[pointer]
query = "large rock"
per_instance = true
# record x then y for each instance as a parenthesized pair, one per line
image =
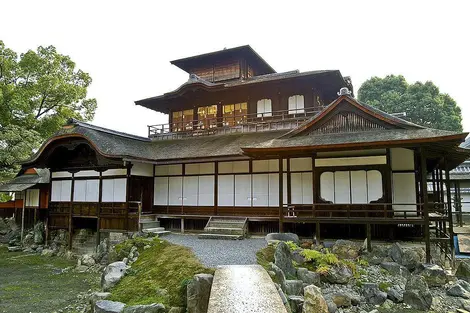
(417, 293)
(338, 274)
(86, 260)
(297, 257)
(294, 287)
(106, 306)
(341, 300)
(395, 269)
(48, 252)
(112, 274)
(346, 249)
(4, 228)
(282, 237)
(314, 301)
(38, 233)
(412, 258)
(459, 289)
(149, 308)
(396, 253)
(395, 293)
(283, 259)
(198, 293)
(14, 249)
(373, 294)
(284, 299)
(97, 296)
(296, 303)
(279, 276)
(434, 275)
(308, 277)
(463, 271)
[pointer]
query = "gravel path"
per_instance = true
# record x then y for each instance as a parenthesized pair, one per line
(214, 252)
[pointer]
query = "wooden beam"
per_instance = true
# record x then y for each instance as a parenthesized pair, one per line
(369, 238)
(98, 213)
(71, 211)
(449, 213)
(424, 195)
(281, 195)
(216, 187)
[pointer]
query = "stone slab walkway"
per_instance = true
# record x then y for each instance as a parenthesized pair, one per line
(244, 288)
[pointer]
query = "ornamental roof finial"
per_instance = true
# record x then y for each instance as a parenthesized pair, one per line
(344, 92)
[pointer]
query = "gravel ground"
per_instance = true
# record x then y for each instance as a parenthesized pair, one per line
(214, 252)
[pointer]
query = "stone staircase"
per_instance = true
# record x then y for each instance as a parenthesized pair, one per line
(150, 224)
(223, 227)
(84, 241)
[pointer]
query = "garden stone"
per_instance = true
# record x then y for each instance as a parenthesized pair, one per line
(48, 252)
(284, 298)
(459, 289)
(395, 293)
(149, 308)
(463, 271)
(346, 249)
(112, 274)
(373, 294)
(395, 269)
(465, 304)
(279, 276)
(283, 259)
(338, 274)
(296, 303)
(38, 233)
(314, 301)
(86, 260)
(342, 300)
(4, 228)
(434, 275)
(96, 296)
(417, 293)
(308, 277)
(387, 305)
(106, 306)
(283, 237)
(332, 308)
(412, 258)
(198, 292)
(14, 249)
(298, 257)
(294, 287)
(177, 309)
(28, 239)
(396, 253)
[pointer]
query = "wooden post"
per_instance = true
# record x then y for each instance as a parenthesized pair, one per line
(281, 195)
(98, 213)
(22, 215)
(369, 238)
(182, 225)
(317, 233)
(71, 211)
(424, 195)
(216, 187)
(128, 183)
(449, 214)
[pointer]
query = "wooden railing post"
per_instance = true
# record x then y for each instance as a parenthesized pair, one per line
(281, 195)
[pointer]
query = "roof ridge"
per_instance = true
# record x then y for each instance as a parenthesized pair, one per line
(73, 121)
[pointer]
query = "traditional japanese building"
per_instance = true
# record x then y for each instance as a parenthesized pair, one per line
(292, 151)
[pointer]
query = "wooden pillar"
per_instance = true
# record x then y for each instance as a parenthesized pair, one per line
(128, 188)
(449, 214)
(22, 215)
(182, 225)
(98, 210)
(71, 211)
(281, 195)
(369, 238)
(216, 187)
(424, 195)
(317, 233)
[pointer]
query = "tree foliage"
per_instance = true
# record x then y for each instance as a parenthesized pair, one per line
(422, 102)
(39, 91)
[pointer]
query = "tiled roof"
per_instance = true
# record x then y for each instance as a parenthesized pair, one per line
(25, 181)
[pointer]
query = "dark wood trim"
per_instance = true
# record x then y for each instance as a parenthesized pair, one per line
(216, 187)
(449, 213)
(100, 199)
(281, 195)
(128, 182)
(424, 194)
(288, 181)
(71, 211)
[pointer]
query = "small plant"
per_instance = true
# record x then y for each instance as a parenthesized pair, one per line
(359, 283)
(292, 246)
(320, 258)
(383, 271)
(323, 270)
(362, 262)
(384, 286)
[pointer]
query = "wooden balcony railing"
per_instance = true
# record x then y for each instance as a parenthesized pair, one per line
(255, 122)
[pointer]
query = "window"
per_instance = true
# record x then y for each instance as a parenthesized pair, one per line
(114, 190)
(187, 190)
(234, 114)
(296, 104)
(61, 190)
(182, 120)
(345, 187)
(32, 198)
(264, 108)
(207, 117)
(86, 190)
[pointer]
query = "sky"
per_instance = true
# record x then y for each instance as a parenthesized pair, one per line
(126, 46)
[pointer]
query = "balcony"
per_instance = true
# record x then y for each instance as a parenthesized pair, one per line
(256, 122)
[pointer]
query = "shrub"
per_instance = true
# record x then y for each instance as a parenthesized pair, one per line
(292, 246)
(362, 262)
(384, 286)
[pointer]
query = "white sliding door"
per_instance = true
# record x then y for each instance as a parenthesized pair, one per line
(327, 186)
(342, 187)
(274, 190)
(359, 187)
(261, 190)
(374, 185)
(206, 191)
(301, 188)
(190, 190)
(226, 190)
(160, 191)
(242, 190)
(175, 191)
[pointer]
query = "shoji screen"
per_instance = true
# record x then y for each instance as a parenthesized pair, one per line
(226, 188)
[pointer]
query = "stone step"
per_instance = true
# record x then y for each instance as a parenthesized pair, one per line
(157, 231)
(225, 225)
(151, 217)
(228, 219)
(149, 224)
(153, 229)
(226, 231)
(220, 236)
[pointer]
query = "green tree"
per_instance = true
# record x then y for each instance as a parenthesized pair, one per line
(39, 91)
(422, 102)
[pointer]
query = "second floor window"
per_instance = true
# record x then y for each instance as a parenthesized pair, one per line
(296, 104)
(182, 120)
(207, 117)
(264, 108)
(234, 114)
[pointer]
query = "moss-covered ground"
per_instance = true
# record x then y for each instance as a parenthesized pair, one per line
(33, 283)
(161, 265)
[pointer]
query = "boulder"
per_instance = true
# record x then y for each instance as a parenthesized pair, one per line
(283, 259)
(48, 252)
(396, 253)
(28, 239)
(417, 293)
(332, 308)
(338, 274)
(296, 303)
(346, 249)
(342, 300)
(434, 275)
(463, 271)
(4, 228)
(373, 294)
(297, 257)
(86, 260)
(395, 269)
(112, 274)
(96, 296)
(283, 237)
(177, 309)
(279, 276)
(314, 301)
(14, 249)
(294, 287)
(459, 289)
(308, 277)
(412, 258)
(38, 233)
(102, 251)
(148, 308)
(198, 292)
(106, 306)
(283, 296)
(395, 293)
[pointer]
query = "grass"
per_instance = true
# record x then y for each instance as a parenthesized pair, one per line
(33, 283)
(265, 255)
(161, 266)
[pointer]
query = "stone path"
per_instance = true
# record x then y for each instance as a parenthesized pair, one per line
(244, 288)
